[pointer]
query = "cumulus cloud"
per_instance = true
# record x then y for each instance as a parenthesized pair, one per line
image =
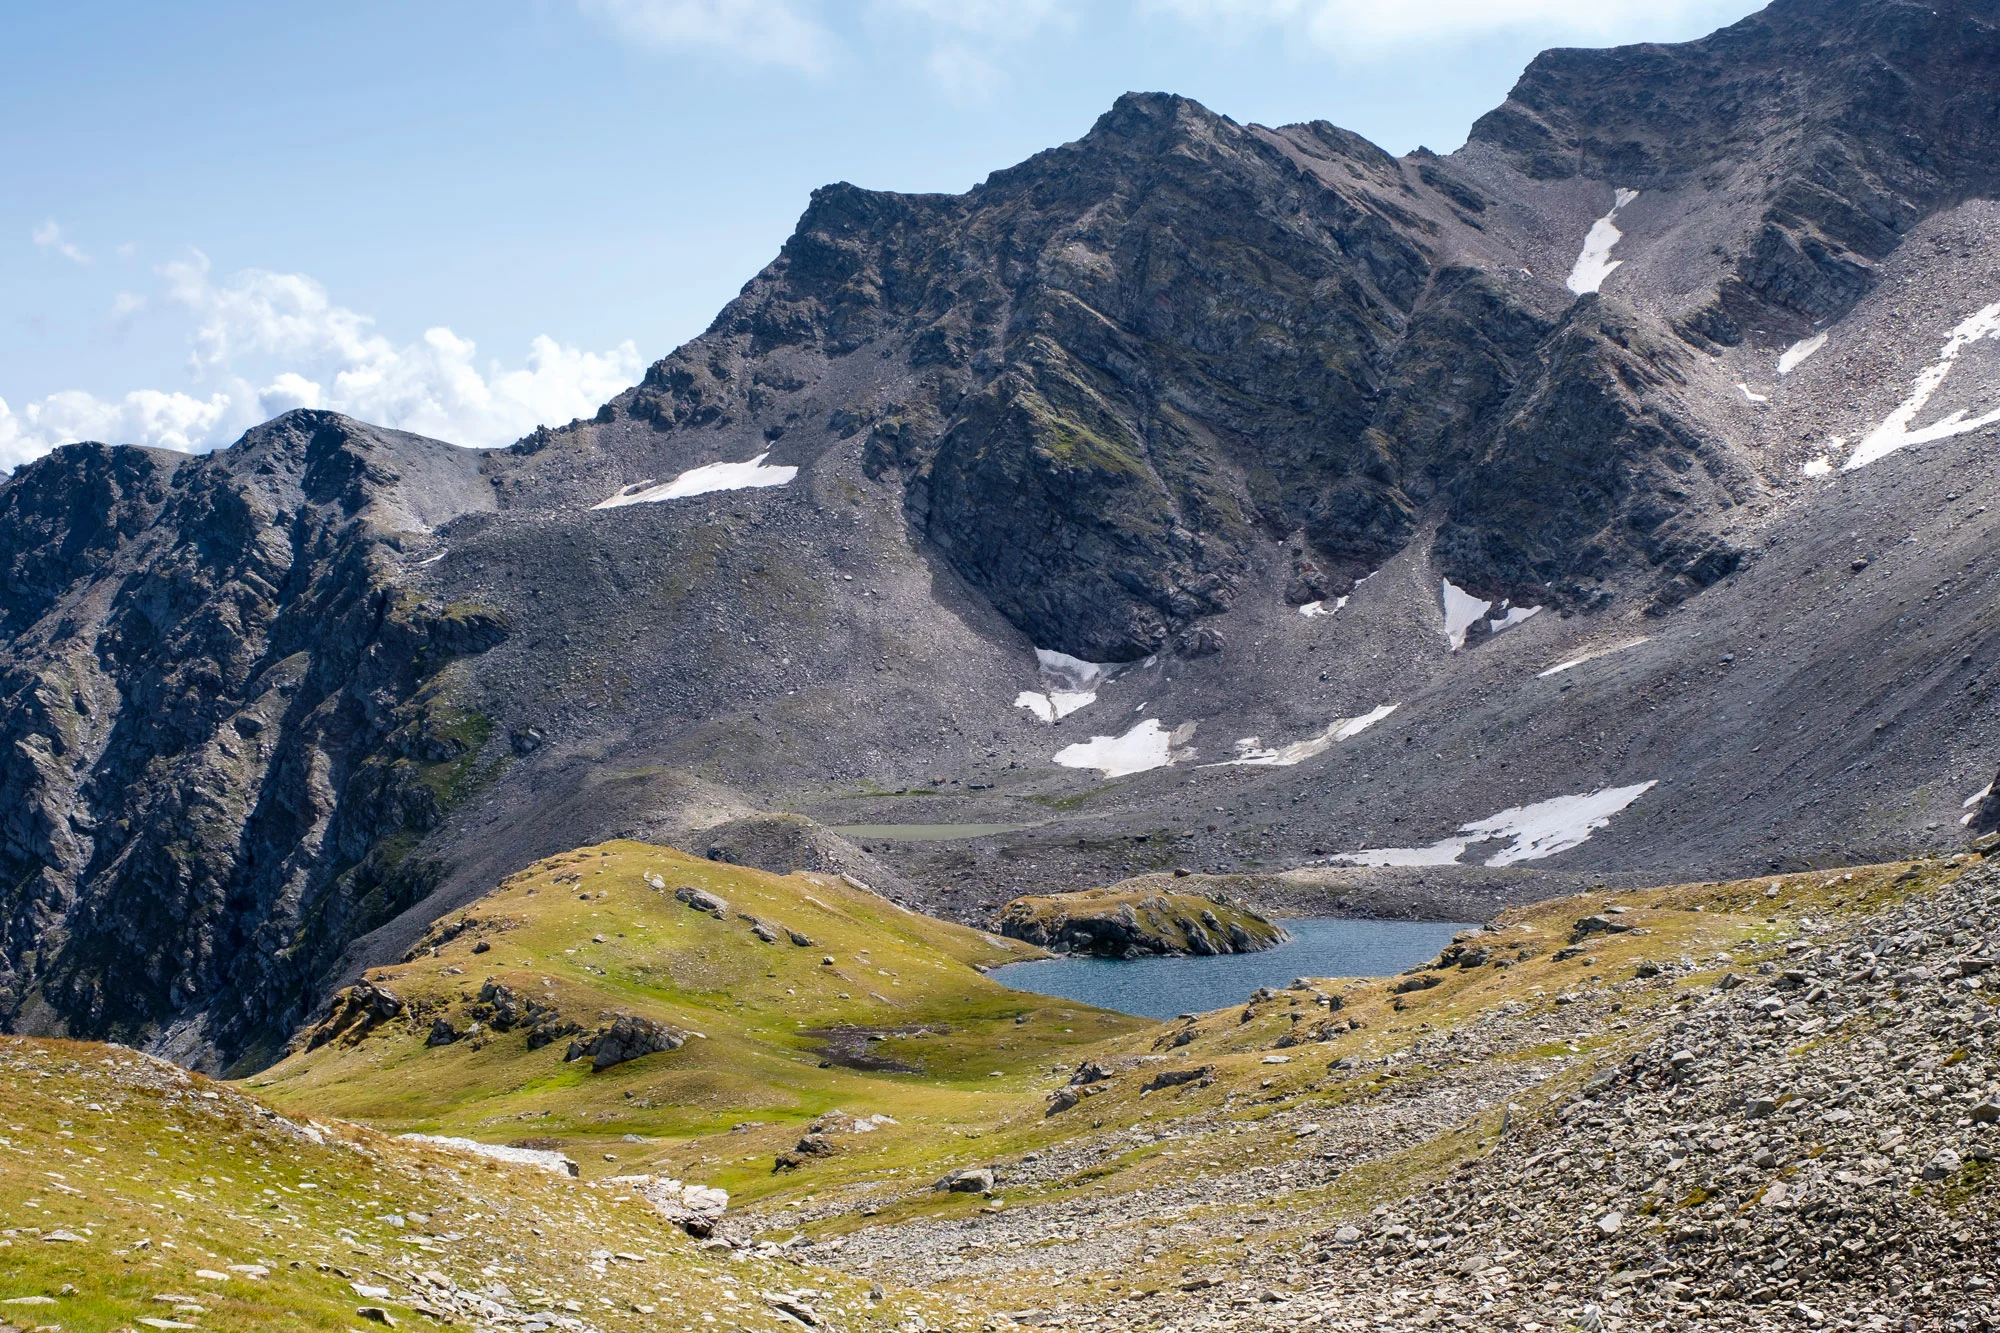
(264, 343)
(757, 32)
(49, 236)
(1340, 25)
(144, 416)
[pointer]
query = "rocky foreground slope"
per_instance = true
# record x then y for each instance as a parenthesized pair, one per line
(1759, 1104)
(1610, 497)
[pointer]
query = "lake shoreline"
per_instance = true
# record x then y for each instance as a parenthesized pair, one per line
(1164, 988)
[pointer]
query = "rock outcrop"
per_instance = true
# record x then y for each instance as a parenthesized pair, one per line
(627, 1037)
(1118, 923)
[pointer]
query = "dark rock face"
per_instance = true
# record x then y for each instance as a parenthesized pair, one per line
(1837, 126)
(218, 752)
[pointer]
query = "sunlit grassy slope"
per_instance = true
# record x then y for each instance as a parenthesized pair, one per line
(134, 1195)
(117, 1150)
(781, 1029)
(592, 932)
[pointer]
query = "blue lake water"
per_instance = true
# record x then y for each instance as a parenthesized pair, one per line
(1166, 987)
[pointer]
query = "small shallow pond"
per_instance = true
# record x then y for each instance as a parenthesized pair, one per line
(1166, 987)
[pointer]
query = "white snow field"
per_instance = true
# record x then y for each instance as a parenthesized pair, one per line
(1511, 618)
(1818, 467)
(1752, 395)
(1595, 264)
(1894, 433)
(1250, 754)
(1973, 800)
(1590, 656)
(701, 481)
(1069, 683)
(1533, 831)
(1461, 608)
(1796, 354)
(1147, 745)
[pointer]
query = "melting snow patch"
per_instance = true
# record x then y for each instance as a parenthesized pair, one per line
(1798, 352)
(1071, 684)
(1249, 754)
(1146, 746)
(547, 1161)
(1752, 394)
(701, 481)
(1972, 801)
(1595, 264)
(1594, 653)
(1819, 467)
(1894, 433)
(1461, 608)
(1533, 831)
(1311, 609)
(1511, 618)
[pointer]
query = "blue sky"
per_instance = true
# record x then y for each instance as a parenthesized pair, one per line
(468, 218)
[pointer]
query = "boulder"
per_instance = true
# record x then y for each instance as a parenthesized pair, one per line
(1174, 1078)
(968, 1180)
(701, 900)
(628, 1037)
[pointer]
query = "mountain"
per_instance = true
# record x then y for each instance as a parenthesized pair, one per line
(1606, 500)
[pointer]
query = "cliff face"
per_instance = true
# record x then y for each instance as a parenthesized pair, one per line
(1824, 132)
(1109, 372)
(219, 747)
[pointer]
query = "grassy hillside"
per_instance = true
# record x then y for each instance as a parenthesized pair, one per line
(881, 1012)
(134, 1195)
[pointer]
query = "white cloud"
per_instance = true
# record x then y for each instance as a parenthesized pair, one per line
(1341, 25)
(270, 342)
(759, 32)
(49, 236)
(144, 416)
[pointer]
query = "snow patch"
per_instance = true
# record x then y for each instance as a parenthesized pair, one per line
(1312, 609)
(1752, 394)
(1894, 433)
(1069, 683)
(1250, 754)
(1461, 608)
(1511, 618)
(1595, 264)
(1533, 832)
(1146, 746)
(1796, 354)
(1976, 797)
(547, 1161)
(701, 481)
(1592, 655)
(1821, 466)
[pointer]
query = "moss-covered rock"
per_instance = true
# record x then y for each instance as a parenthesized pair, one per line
(1123, 923)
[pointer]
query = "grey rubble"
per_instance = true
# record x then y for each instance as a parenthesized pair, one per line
(1810, 1148)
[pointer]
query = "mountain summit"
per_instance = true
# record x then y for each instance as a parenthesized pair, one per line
(1606, 498)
